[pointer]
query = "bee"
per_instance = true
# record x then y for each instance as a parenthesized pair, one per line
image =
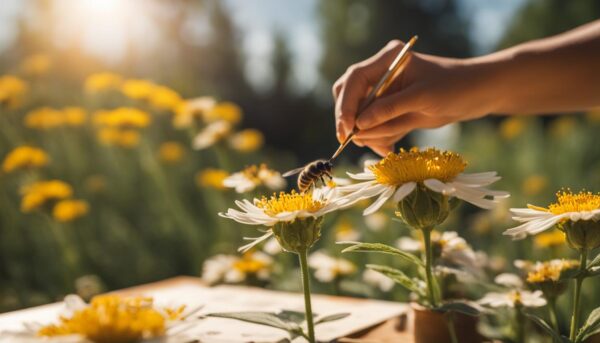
(311, 173)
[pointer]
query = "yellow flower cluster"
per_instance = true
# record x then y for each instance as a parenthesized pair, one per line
(161, 97)
(12, 90)
(121, 126)
(171, 152)
(249, 264)
(115, 319)
(24, 157)
(550, 271)
(568, 201)
(417, 165)
(39, 193)
(212, 178)
(45, 118)
(36, 65)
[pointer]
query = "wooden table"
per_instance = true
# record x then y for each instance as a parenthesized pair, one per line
(392, 331)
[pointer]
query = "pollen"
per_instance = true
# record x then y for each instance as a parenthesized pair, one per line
(567, 201)
(416, 165)
(289, 202)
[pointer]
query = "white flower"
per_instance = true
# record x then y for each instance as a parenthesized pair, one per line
(509, 280)
(398, 174)
(284, 207)
(568, 207)
(251, 177)
(373, 278)
(114, 317)
(376, 221)
(236, 269)
(191, 108)
(455, 251)
(211, 134)
(514, 298)
(329, 268)
(271, 246)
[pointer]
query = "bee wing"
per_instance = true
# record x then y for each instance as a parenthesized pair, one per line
(292, 172)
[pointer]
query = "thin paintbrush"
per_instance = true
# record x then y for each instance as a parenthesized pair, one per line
(386, 80)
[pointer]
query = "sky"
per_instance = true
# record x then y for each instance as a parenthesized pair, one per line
(256, 19)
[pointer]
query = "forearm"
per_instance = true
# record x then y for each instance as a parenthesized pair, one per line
(557, 74)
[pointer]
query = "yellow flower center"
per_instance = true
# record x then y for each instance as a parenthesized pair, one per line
(550, 239)
(289, 202)
(515, 296)
(211, 177)
(417, 165)
(568, 201)
(550, 270)
(115, 319)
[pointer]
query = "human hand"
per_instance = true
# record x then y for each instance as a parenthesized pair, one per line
(431, 92)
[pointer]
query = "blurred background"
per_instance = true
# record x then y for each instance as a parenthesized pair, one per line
(104, 98)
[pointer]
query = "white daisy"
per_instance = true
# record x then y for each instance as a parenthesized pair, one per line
(398, 174)
(236, 269)
(253, 176)
(373, 278)
(569, 207)
(514, 298)
(284, 207)
(211, 134)
(111, 318)
(329, 268)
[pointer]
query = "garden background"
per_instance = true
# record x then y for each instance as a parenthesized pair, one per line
(149, 206)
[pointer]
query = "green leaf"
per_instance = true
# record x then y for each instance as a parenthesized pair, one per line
(262, 318)
(399, 277)
(547, 328)
(382, 248)
(291, 316)
(595, 262)
(591, 326)
(331, 318)
(460, 307)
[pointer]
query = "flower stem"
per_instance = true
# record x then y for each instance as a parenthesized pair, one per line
(577, 294)
(306, 287)
(451, 328)
(553, 314)
(429, 267)
(520, 324)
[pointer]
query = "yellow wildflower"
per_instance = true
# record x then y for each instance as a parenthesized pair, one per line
(69, 210)
(226, 111)
(534, 184)
(165, 98)
(553, 238)
(12, 90)
(137, 89)
(74, 116)
(212, 178)
(99, 82)
(122, 117)
(36, 65)
(248, 140)
(125, 138)
(550, 271)
(24, 157)
(512, 127)
(171, 152)
(43, 118)
(37, 194)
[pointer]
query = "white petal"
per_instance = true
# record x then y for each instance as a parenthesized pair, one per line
(440, 187)
(367, 175)
(403, 191)
(256, 241)
(387, 193)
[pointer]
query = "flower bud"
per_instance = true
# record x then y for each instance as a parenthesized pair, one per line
(582, 234)
(298, 236)
(423, 208)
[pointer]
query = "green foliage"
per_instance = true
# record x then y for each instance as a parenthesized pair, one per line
(411, 284)
(383, 249)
